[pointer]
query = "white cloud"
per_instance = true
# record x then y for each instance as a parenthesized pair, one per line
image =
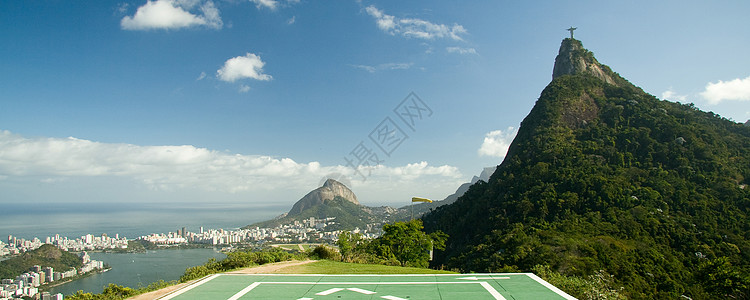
(736, 89)
(211, 15)
(396, 185)
(51, 160)
(270, 4)
(412, 27)
(415, 170)
(172, 14)
(428, 48)
(291, 20)
(496, 142)
(672, 95)
(201, 76)
(385, 22)
(53, 180)
(248, 66)
(396, 66)
(274, 4)
(244, 89)
(460, 50)
(187, 4)
(367, 68)
(123, 8)
(386, 66)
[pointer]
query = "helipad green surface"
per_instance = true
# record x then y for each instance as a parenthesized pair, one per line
(516, 286)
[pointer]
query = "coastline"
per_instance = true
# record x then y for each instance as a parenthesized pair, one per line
(63, 281)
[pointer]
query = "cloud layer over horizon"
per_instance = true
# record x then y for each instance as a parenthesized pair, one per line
(178, 167)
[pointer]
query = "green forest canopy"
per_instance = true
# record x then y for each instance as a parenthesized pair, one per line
(610, 178)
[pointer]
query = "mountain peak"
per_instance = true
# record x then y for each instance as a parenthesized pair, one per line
(573, 59)
(330, 190)
(331, 183)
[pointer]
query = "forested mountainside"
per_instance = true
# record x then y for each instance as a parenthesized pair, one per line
(603, 176)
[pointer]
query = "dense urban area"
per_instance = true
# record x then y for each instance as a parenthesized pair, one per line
(310, 230)
(27, 284)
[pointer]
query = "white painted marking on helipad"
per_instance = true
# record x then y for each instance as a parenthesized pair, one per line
(482, 278)
(361, 291)
(187, 288)
(244, 291)
(329, 291)
(492, 291)
(550, 286)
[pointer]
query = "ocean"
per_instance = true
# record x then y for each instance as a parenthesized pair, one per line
(130, 220)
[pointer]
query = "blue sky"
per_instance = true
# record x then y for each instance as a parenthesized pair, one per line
(232, 101)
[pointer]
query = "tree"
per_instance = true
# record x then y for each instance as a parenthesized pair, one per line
(407, 243)
(348, 242)
(719, 277)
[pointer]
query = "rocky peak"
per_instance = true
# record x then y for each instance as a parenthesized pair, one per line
(485, 176)
(574, 59)
(747, 123)
(339, 189)
(330, 189)
(486, 173)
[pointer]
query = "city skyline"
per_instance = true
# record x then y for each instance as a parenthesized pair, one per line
(259, 101)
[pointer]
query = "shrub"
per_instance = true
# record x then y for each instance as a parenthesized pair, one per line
(325, 252)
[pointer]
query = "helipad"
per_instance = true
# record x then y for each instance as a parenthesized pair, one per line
(516, 286)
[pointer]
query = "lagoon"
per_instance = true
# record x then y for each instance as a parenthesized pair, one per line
(139, 269)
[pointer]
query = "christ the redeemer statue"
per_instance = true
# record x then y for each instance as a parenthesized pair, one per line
(571, 29)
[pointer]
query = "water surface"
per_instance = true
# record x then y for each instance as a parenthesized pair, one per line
(139, 269)
(128, 220)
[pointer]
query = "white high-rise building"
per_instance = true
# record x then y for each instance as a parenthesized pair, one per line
(88, 239)
(85, 257)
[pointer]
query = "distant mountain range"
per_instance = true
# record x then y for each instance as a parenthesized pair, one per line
(421, 208)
